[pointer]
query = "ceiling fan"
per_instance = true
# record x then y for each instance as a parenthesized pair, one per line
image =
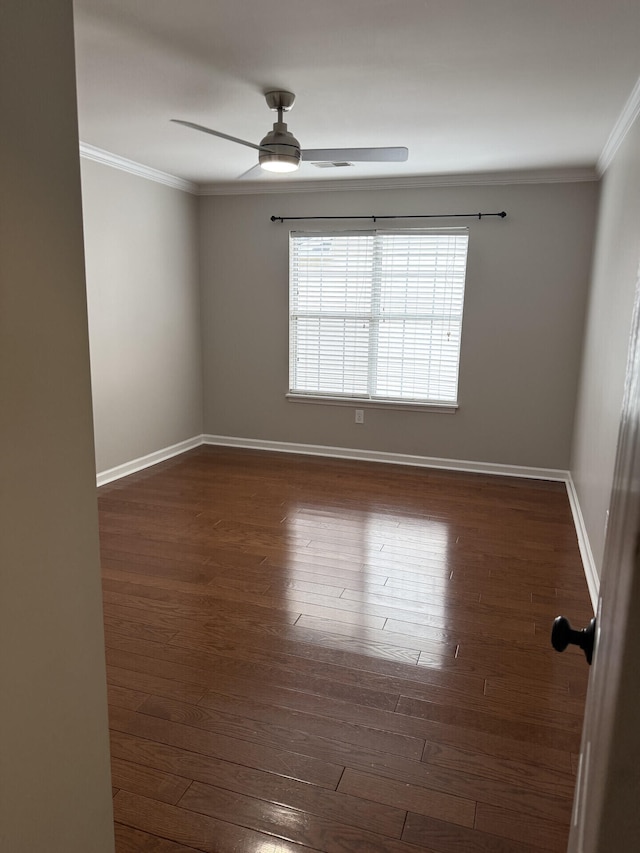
(280, 151)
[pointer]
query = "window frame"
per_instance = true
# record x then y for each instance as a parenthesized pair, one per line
(367, 400)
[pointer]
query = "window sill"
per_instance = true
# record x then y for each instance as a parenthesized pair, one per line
(397, 405)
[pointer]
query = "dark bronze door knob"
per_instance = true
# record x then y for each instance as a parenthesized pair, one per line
(563, 635)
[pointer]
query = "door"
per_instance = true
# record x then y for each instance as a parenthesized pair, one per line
(607, 804)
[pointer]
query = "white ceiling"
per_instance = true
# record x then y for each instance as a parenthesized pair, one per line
(467, 85)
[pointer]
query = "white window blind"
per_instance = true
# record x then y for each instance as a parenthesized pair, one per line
(377, 315)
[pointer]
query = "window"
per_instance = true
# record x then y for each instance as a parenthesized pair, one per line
(377, 315)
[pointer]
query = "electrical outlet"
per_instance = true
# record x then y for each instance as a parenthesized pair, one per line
(359, 416)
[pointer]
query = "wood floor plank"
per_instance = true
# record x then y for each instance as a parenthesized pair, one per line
(450, 838)
(563, 737)
(520, 708)
(124, 610)
(147, 781)
(421, 608)
(130, 840)
(343, 730)
(546, 834)
(559, 782)
(469, 787)
(197, 604)
(205, 678)
(452, 781)
(301, 667)
(259, 663)
(130, 678)
(193, 829)
(499, 745)
(412, 644)
(286, 824)
(344, 808)
(333, 636)
(258, 730)
(510, 663)
(465, 627)
(486, 743)
(409, 797)
(312, 768)
(516, 692)
(177, 574)
(285, 575)
(134, 628)
(273, 759)
(124, 697)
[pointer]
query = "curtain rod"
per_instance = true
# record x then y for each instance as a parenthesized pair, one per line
(502, 215)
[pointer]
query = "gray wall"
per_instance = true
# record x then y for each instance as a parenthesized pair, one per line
(141, 244)
(615, 272)
(522, 335)
(55, 793)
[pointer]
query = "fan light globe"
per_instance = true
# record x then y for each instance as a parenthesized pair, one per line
(283, 154)
(279, 165)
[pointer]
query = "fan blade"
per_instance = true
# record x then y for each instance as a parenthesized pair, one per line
(362, 155)
(254, 172)
(221, 135)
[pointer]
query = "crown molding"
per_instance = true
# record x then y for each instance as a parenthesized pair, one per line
(532, 176)
(90, 152)
(537, 176)
(621, 128)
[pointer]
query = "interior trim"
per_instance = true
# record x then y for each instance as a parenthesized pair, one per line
(389, 458)
(533, 176)
(588, 562)
(621, 128)
(108, 476)
(274, 185)
(90, 152)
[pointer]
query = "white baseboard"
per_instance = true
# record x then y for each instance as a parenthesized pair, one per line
(390, 458)
(142, 462)
(588, 563)
(494, 468)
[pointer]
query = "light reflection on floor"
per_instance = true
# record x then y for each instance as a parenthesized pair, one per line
(273, 847)
(345, 570)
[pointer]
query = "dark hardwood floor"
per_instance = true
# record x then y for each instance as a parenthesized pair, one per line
(314, 655)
